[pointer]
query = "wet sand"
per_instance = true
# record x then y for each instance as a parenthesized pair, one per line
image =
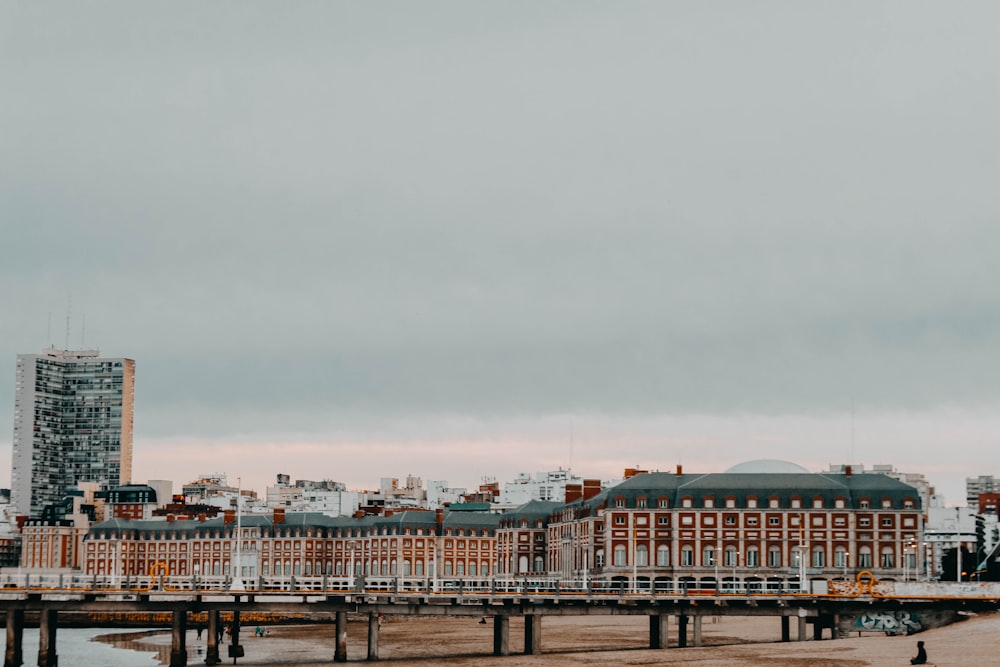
(619, 640)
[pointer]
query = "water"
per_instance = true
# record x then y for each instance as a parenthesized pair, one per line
(75, 646)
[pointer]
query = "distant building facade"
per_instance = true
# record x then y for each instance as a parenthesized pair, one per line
(673, 531)
(73, 416)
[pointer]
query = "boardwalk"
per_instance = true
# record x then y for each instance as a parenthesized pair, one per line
(833, 610)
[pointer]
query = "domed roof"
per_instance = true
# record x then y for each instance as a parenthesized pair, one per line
(767, 466)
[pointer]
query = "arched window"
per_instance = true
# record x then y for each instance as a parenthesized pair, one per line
(753, 557)
(539, 564)
(865, 557)
(641, 555)
(888, 558)
(732, 556)
(774, 556)
(620, 556)
(840, 557)
(818, 557)
(599, 558)
(687, 555)
(708, 556)
(522, 565)
(418, 568)
(663, 555)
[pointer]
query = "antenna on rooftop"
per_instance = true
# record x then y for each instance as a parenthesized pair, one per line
(851, 459)
(572, 442)
(69, 308)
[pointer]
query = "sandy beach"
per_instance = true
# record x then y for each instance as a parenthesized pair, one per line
(600, 641)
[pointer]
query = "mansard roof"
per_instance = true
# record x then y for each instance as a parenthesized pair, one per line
(301, 520)
(741, 486)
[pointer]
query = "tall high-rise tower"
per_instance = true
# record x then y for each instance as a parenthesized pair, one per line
(72, 423)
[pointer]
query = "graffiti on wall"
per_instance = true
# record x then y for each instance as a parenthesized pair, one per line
(888, 621)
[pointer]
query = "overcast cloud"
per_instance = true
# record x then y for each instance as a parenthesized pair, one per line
(467, 239)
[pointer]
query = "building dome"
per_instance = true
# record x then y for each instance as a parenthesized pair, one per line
(769, 466)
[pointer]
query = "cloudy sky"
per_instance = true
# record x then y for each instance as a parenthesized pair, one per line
(353, 240)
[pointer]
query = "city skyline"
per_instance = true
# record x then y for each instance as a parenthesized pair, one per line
(470, 240)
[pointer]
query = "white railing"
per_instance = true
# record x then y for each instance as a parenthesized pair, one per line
(373, 585)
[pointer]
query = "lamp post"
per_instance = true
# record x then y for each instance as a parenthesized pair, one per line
(350, 581)
(847, 557)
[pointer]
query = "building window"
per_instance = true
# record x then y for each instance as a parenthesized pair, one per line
(663, 520)
(619, 502)
(751, 521)
(840, 557)
(865, 558)
(753, 557)
(641, 555)
(708, 556)
(619, 520)
(864, 521)
(686, 502)
(887, 522)
(663, 555)
(773, 502)
(732, 556)
(774, 521)
(709, 503)
(620, 558)
(774, 556)
(730, 520)
(888, 559)
(819, 557)
(817, 503)
(752, 503)
(663, 503)
(599, 557)
(640, 503)
(687, 556)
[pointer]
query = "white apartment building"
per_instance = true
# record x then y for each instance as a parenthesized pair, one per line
(73, 414)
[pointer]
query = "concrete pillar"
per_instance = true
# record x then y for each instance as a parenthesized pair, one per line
(802, 629)
(178, 639)
(373, 624)
(697, 630)
(212, 652)
(533, 634)
(47, 624)
(14, 656)
(236, 649)
(659, 630)
(501, 635)
(340, 653)
(682, 631)
(786, 633)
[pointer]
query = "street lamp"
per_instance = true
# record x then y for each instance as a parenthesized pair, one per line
(350, 581)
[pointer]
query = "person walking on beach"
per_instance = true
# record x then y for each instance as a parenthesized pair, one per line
(921, 657)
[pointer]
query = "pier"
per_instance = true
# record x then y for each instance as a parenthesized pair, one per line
(828, 609)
